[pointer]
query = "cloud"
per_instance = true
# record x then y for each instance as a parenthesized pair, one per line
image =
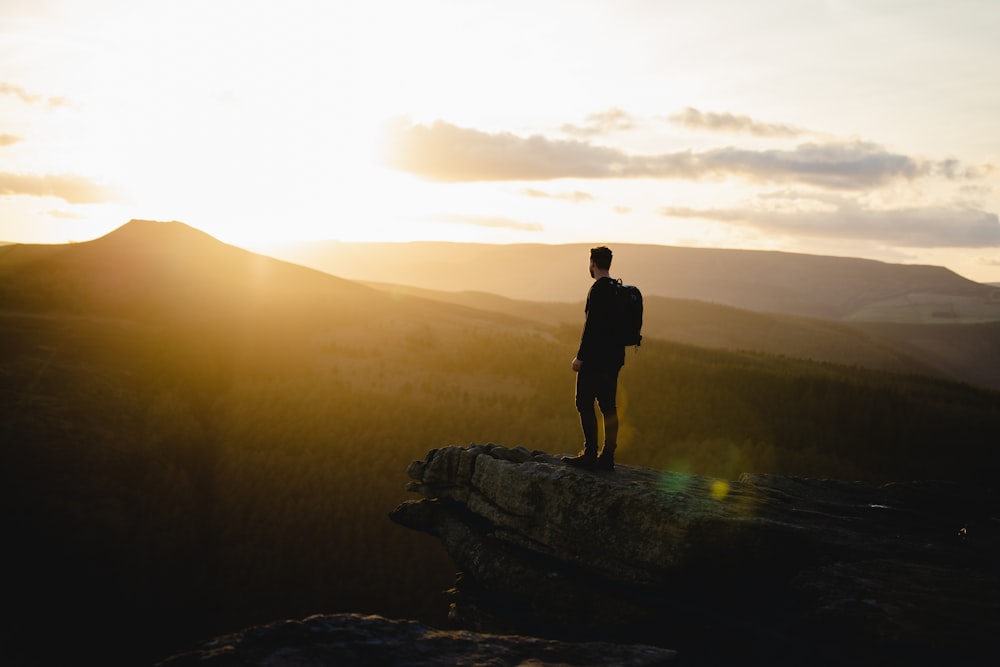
(576, 197)
(953, 170)
(727, 122)
(488, 221)
(446, 153)
(929, 227)
(29, 98)
(854, 165)
(64, 215)
(604, 122)
(71, 188)
(9, 139)
(18, 91)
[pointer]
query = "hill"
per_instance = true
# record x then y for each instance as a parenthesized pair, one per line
(835, 288)
(197, 438)
(963, 352)
(170, 275)
(152, 270)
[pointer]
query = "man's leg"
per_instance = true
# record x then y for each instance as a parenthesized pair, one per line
(586, 394)
(607, 391)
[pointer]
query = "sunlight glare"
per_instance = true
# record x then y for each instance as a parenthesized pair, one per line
(719, 489)
(265, 131)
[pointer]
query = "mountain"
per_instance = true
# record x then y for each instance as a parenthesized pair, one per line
(197, 438)
(150, 271)
(724, 327)
(966, 352)
(163, 269)
(806, 285)
(171, 405)
(963, 352)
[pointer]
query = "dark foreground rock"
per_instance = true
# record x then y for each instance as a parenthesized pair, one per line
(763, 570)
(350, 640)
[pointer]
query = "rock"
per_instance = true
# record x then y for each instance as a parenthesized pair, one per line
(761, 570)
(352, 639)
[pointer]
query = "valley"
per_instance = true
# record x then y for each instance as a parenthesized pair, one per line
(198, 438)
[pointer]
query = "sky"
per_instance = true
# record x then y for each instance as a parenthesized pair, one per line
(864, 128)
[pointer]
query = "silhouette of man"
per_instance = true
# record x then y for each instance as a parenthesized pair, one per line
(598, 361)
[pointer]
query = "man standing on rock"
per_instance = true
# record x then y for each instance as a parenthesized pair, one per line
(597, 364)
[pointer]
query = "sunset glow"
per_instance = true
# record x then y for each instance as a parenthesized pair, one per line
(831, 127)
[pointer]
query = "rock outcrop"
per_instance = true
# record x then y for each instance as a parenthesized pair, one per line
(762, 570)
(355, 640)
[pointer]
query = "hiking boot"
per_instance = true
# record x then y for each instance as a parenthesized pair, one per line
(606, 461)
(587, 459)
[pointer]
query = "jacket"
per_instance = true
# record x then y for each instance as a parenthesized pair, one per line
(600, 344)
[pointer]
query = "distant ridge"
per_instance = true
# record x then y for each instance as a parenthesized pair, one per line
(169, 272)
(147, 269)
(838, 288)
(158, 272)
(172, 229)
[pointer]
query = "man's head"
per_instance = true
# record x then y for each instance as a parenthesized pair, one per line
(600, 258)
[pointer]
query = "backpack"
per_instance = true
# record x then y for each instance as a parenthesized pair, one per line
(629, 313)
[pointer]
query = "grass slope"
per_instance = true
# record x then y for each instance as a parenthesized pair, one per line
(179, 467)
(724, 327)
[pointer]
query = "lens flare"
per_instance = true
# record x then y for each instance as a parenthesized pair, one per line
(719, 489)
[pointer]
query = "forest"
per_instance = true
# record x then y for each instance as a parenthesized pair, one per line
(168, 481)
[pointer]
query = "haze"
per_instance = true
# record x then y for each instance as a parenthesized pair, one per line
(849, 128)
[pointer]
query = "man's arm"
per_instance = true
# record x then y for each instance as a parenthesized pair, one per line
(599, 324)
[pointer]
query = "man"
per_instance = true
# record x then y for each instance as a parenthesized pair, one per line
(598, 361)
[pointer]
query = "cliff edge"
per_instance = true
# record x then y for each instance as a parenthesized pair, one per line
(760, 570)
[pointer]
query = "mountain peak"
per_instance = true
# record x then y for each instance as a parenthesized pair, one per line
(156, 231)
(149, 269)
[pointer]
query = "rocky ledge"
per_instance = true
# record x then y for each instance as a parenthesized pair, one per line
(356, 640)
(761, 570)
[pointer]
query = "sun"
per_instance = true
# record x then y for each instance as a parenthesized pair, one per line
(260, 122)
(254, 121)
